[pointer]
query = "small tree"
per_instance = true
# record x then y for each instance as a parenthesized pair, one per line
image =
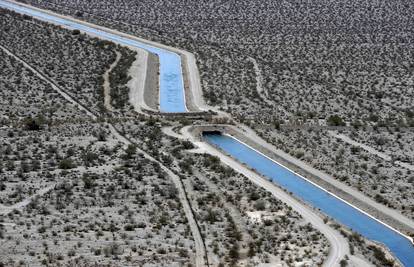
(234, 253)
(66, 164)
(335, 120)
(130, 151)
(32, 124)
(251, 252)
(101, 136)
(260, 205)
(343, 263)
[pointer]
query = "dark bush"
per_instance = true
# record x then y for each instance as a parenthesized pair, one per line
(335, 120)
(66, 164)
(32, 124)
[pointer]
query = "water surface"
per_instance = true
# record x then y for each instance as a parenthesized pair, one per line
(337, 209)
(172, 97)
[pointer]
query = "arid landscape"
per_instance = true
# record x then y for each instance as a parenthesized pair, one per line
(93, 173)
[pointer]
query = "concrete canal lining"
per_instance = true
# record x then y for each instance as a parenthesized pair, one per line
(342, 211)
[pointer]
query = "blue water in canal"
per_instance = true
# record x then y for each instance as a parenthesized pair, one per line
(332, 206)
(172, 98)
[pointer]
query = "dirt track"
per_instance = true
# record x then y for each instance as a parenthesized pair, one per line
(199, 244)
(107, 85)
(339, 245)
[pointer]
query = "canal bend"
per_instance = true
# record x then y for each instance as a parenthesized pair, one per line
(172, 99)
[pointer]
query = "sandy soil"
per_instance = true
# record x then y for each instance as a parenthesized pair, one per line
(339, 245)
(370, 149)
(54, 86)
(199, 244)
(137, 84)
(194, 98)
(392, 217)
(107, 85)
(189, 89)
(197, 98)
(152, 83)
(259, 82)
(4, 210)
(200, 249)
(338, 250)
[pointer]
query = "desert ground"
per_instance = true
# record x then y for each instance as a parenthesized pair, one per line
(88, 178)
(73, 194)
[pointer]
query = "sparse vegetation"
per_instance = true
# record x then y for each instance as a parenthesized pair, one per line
(114, 206)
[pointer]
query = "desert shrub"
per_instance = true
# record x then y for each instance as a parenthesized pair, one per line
(32, 124)
(335, 120)
(66, 164)
(260, 205)
(380, 256)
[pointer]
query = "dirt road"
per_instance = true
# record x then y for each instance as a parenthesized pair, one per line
(199, 243)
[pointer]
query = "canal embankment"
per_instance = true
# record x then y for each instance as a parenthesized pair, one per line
(311, 174)
(236, 144)
(179, 82)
